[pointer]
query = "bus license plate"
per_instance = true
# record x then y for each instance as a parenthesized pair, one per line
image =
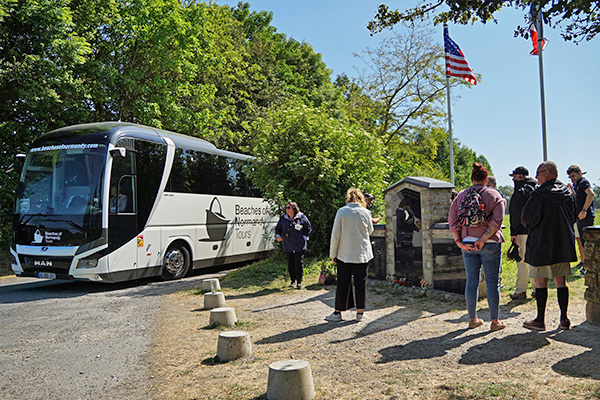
(46, 275)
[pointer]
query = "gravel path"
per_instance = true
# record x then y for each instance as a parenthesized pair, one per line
(75, 340)
(410, 347)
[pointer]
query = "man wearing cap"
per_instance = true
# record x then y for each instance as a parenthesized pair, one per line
(549, 215)
(584, 198)
(369, 200)
(524, 186)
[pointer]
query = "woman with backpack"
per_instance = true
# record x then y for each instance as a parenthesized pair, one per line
(475, 219)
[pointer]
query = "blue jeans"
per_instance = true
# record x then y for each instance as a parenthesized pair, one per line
(490, 256)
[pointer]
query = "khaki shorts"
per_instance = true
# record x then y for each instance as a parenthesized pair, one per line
(576, 230)
(550, 271)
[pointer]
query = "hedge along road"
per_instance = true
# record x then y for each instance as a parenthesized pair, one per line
(77, 340)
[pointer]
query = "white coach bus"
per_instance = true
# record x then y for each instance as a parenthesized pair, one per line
(112, 202)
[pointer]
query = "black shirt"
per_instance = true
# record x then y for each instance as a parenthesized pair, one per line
(580, 195)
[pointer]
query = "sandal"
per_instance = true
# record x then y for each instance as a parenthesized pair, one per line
(474, 323)
(497, 326)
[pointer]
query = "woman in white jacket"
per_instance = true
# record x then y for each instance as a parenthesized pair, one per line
(351, 251)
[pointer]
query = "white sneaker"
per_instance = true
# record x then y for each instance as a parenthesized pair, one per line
(333, 317)
(293, 284)
(361, 316)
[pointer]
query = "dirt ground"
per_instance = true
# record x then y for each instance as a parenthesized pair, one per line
(410, 347)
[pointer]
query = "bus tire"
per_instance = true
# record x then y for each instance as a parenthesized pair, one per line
(176, 262)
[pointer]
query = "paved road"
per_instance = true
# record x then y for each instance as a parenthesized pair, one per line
(77, 340)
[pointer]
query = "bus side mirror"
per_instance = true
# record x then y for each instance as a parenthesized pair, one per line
(118, 150)
(18, 164)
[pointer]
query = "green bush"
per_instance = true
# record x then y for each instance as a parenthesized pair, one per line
(312, 158)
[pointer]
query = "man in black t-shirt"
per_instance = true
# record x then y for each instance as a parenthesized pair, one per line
(584, 199)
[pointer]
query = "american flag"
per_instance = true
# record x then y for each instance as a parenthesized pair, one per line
(456, 63)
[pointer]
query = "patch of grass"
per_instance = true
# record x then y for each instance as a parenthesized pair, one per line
(242, 324)
(588, 390)
(594, 391)
(504, 390)
(261, 273)
(186, 371)
(270, 274)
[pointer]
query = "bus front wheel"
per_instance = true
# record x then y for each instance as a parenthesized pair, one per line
(176, 262)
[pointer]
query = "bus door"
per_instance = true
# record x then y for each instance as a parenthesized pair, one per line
(123, 217)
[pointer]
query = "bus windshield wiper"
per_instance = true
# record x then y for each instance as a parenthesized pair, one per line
(73, 224)
(21, 222)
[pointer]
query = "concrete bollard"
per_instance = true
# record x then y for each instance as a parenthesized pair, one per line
(233, 345)
(211, 285)
(290, 380)
(222, 316)
(214, 300)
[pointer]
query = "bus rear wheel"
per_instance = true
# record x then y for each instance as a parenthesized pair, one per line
(176, 263)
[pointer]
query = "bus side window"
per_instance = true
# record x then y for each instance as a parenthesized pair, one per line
(122, 184)
(224, 175)
(191, 172)
(126, 195)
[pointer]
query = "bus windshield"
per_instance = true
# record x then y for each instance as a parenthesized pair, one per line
(61, 189)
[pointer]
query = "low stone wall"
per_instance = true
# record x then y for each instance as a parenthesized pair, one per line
(592, 274)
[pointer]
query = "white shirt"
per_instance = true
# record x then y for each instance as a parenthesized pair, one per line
(350, 236)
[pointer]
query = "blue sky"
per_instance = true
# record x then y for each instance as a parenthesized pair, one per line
(500, 117)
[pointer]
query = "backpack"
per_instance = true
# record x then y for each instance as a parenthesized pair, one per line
(471, 211)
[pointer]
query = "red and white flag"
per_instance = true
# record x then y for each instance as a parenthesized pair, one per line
(534, 38)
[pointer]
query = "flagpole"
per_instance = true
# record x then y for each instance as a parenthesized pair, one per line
(451, 141)
(540, 31)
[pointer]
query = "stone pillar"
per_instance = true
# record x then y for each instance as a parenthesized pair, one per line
(390, 243)
(290, 380)
(592, 273)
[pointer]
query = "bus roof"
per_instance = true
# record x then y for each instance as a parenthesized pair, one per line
(112, 132)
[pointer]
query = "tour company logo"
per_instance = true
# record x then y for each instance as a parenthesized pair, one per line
(38, 237)
(48, 237)
(216, 222)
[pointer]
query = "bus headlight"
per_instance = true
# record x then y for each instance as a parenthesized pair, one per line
(87, 263)
(91, 261)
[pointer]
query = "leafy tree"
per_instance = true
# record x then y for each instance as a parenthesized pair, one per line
(221, 73)
(463, 162)
(579, 18)
(596, 189)
(405, 76)
(358, 106)
(307, 156)
(39, 91)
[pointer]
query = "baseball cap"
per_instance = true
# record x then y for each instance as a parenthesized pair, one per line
(521, 170)
(575, 168)
(369, 196)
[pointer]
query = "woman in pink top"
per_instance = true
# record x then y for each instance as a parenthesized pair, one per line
(481, 246)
